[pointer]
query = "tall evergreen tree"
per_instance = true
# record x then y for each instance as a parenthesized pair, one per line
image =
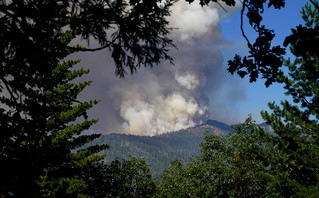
(293, 163)
(39, 126)
(41, 120)
(296, 125)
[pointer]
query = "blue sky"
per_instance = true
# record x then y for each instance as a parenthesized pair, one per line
(281, 21)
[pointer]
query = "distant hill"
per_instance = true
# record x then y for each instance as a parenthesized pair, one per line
(158, 151)
(219, 125)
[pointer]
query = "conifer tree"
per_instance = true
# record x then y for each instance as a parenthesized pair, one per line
(296, 162)
(41, 119)
(40, 128)
(290, 153)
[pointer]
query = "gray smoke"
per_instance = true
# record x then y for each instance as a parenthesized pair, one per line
(166, 98)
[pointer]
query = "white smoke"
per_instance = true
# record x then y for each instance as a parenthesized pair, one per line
(192, 20)
(189, 81)
(155, 102)
(164, 98)
(169, 113)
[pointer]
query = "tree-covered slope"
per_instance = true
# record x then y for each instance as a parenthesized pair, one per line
(158, 151)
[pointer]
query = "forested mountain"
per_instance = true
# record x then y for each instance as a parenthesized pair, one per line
(158, 151)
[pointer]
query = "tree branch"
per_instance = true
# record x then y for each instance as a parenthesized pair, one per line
(88, 49)
(316, 5)
(222, 7)
(66, 96)
(242, 21)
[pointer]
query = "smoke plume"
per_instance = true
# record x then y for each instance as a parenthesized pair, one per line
(165, 98)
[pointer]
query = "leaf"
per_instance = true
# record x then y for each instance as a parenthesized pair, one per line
(254, 17)
(242, 74)
(276, 3)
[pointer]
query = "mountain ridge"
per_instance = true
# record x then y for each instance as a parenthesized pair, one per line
(160, 150)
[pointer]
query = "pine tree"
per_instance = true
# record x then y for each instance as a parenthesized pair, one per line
(40, 130)
(41, 119)
(296, 163)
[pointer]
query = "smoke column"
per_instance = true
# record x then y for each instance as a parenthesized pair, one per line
(164, 98)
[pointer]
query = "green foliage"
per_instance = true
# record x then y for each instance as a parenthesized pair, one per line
(39, 131)
(61, 187)
(174, 181)
(292, 165)
(129, 178)
(296, 125)
(125, 178)
(229, 166)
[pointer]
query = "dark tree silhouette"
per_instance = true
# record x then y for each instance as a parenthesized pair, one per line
(264, 58)
(41, 119)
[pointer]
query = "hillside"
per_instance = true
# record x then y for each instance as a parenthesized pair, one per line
(159, 150)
